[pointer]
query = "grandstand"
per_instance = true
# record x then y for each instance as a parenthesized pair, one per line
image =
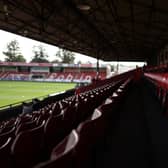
(82, 73)
(116, 122)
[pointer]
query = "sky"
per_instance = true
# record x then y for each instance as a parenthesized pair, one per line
(26, 46)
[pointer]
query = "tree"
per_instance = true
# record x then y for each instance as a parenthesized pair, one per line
(56, 61)
(66, 56)
(79, 62)
(13, 53)
(40, 54)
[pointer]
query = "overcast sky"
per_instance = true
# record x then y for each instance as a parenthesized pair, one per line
(26, 46)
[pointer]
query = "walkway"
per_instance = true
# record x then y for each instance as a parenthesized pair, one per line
(139, 138)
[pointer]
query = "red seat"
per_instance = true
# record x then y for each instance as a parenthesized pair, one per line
(11, 122)
(6, 129)
(62, 154)
(90, 132)
(43, 117)
(84, 109)
(6, 135)
(25, 126)
(110, 107)
(56, 109)
(27, 147)
(35, 115)
(23, 119)
(64, 104)
(69, 117)
(54, 131)
(5, 157)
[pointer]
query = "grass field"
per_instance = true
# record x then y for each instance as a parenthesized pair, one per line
(13, 91)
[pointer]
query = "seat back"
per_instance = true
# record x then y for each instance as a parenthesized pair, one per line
(27, 147)
(70, 117)
(23, 119)
(6, 135)
(66, 146)
(62, 154)
(56, 109)
(53, 131)
(25, 126)
(5, 157)
(90, 132)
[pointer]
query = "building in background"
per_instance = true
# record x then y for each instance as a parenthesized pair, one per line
(51, 72)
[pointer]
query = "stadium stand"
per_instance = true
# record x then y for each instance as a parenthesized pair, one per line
(96, 127)
(39, 136)
(116, 122)
(44, 72)
(55, 77)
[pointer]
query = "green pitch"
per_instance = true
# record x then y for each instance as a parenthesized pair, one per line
(12, 91)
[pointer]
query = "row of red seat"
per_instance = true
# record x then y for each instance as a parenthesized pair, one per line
(30, 138)
(156, 69)
(100, 83)
(160, 80)
(77, 149)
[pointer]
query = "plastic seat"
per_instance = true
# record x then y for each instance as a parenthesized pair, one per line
(110, 107)
(6, 135)
(27, 148)
(56, 109)
(84, 109)
(64, 104)
(93, 127)
(90, 132)
(62, 154)
(116, 97)
(43, 117)
(11, 122)
(23, 119)
(35, 115)
(70, 117)
(6, 129)
(66, 146)
(53, 131)
(25, 126)
(5, 157)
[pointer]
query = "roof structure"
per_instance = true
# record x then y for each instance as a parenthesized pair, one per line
(126, 30)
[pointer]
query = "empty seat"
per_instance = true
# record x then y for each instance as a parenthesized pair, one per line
(5, 157)
(90, 132)
(43, 117)
(70, 117)
(11, 122)
(6, 135)
(25, 126)
(64, 104)
(62, 154)
(110, 107)
(54, 131)
(24, 118)
(56, 109)
(35, 115)
(93, 127)
(27, 148)
(6, 129)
